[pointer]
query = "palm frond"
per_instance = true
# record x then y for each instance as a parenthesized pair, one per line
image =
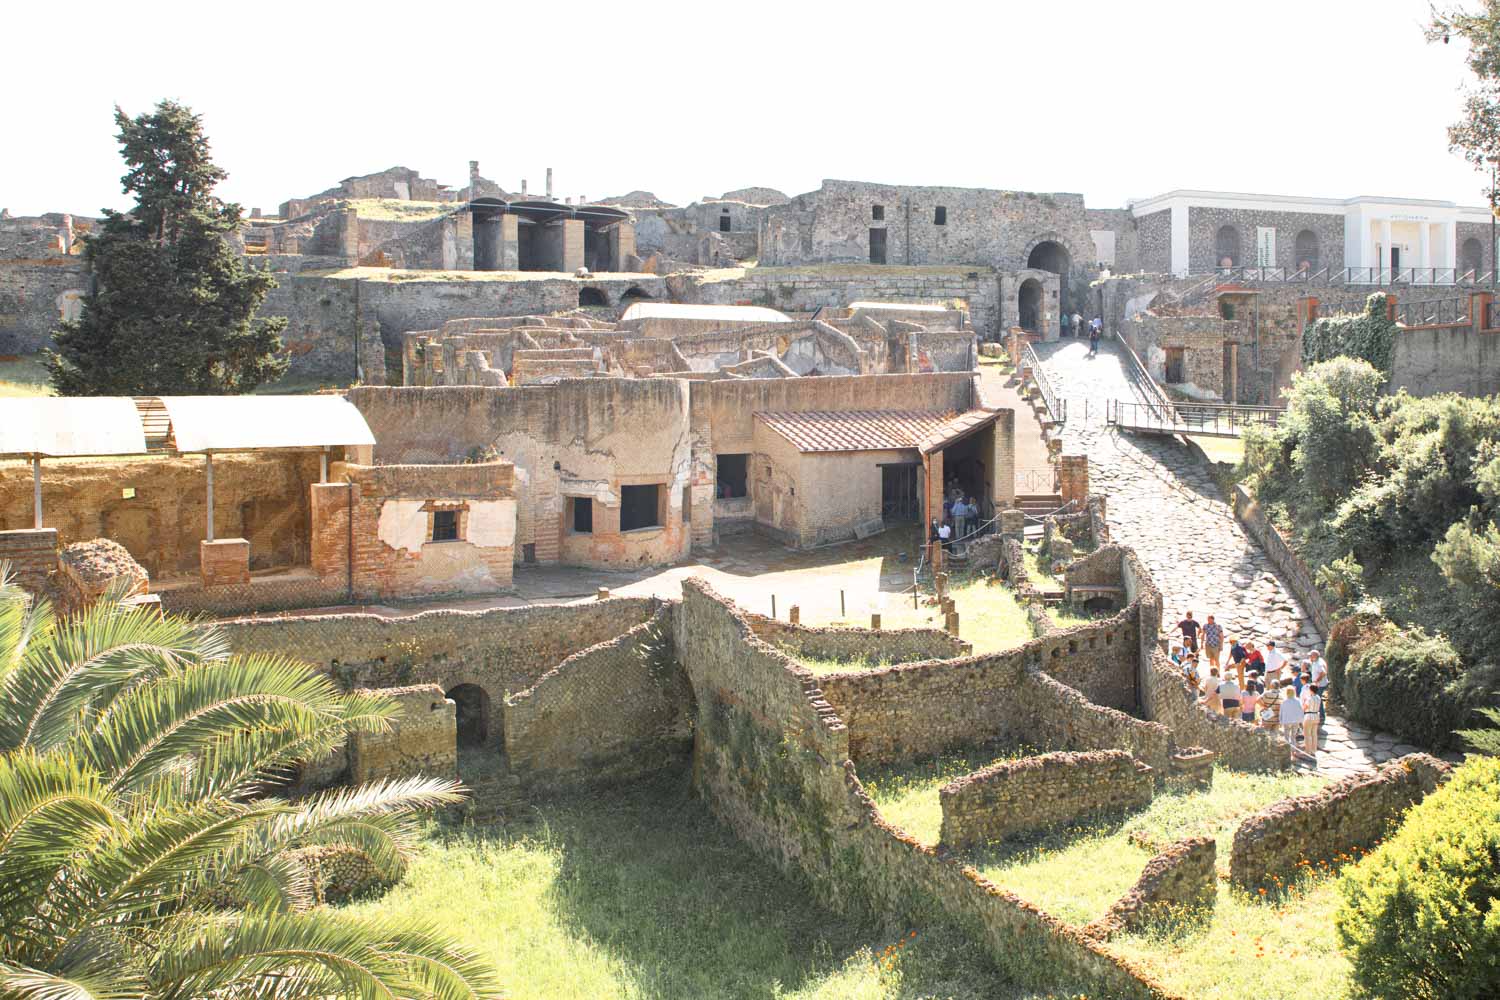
(23, 621)
(18, 982)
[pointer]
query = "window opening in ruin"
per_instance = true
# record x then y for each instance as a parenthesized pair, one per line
(640, 507)
(592, 297)
(1176, 365)
(1227, 247)
(877, 246)
(940, 216)
(732, 474)
(632, 294)
(445, 526)
(1306, 249)
(581, 515)
(877, 213)
(472, 720)
(898, 492)
(724, 221)
(1472, 256)
(1226, 309)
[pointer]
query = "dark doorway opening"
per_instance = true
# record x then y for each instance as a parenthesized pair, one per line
(732, 476)
(1050, 255)
(1029, 305)
(592, 297)
(581, 515)
(1472, 257)
(1176, 365)
(877, 246)
(898, 492)
(724, 221)
(1395, 260)
(486, 242)
(632, 294)
(473, 721)
(640, 507)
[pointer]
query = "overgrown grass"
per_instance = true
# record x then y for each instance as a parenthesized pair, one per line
(1041, 577)
(820, 665)
(1068, 615)
(638, 893)
(988, 614)
(24, 376)
(907, 794)
(399, 210)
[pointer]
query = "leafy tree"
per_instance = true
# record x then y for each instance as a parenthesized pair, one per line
(137, 765)
(1476, 134)
(172, 310)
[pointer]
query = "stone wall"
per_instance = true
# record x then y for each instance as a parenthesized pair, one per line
(261, 497)
(35, 295)
(420, 740)
(1430, 360)
(1019, 797)
(1180, 877)
(1061, 717)
(771, 761)
(1293, 572)
(502, 651)
(32, 555)
(902, 645)
(1204, 225)
(1153, 237)
(1330, 824)
(615, 711)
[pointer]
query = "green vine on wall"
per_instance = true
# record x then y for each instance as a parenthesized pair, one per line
(1370, 335)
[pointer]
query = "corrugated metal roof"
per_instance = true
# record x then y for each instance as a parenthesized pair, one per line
(855, 430)
(229, 423)
(678, 310)
(70, 426)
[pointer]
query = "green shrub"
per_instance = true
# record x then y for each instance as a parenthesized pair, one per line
(1414, 685)
(1347, 639)
(1369, 336)
(1420, 916)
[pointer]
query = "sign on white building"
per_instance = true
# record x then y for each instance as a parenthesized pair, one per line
(1265, 246)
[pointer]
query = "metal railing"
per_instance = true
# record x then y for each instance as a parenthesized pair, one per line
(1380, 276)
(1056, 408)
(1210, 419)
(1153, 395)
(1434, 312)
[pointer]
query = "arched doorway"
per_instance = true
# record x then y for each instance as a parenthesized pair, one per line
(632, 294)
(473, 722)
(1050, 255)
(1307, 251)
(1029, 305)
(1227, 247)
(592, 297)
(1471, 258)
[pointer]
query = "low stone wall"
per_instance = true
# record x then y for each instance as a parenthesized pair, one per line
(502, 650)
(858, 644)
(771, 761)
(1062, 717)
(32, 555)
(1292, 570)
(1353, 813)
(1024, 796)
(421, 740)
(614, 711)
(1181, 876)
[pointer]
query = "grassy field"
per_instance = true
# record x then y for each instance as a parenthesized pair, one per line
(25, 376)
(988, 614)
(638, 893)
(1265, 947)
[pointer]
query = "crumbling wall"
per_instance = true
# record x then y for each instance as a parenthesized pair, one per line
(1018, 797)
(615, 711)
(1180, 878)
(902, 645)
(771, 761)
(1328, 825)
(420, 741)
(36, 293)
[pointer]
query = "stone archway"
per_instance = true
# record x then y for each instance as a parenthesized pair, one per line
(592, 297)
(1029, 305)
(1050, 252)
(473, 716)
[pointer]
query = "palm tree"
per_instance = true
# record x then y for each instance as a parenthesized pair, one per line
(139, 771)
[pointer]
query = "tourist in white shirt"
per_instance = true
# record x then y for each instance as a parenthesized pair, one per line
(1311, 705)
(1318, 667)
(1291, 714)
(1275, 660)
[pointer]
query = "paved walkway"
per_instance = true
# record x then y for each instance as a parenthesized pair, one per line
(1163, 503)
(1034, 473)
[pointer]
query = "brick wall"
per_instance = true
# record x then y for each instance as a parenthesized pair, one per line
(32, 554)
(615, 711)
(421, 740)
(1024, 796)
(1353, 813)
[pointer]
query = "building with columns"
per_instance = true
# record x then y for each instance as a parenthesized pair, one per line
(1368, 239)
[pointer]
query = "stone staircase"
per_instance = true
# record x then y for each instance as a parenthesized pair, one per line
(1038, 504)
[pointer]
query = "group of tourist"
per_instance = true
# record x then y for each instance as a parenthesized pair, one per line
(962, 517)
(1273, 689)
(1075, 326)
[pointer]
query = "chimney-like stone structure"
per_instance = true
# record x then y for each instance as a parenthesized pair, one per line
(549, 183)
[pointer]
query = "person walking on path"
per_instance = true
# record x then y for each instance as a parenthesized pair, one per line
(1066, 323)
(1318, 667)
(1291, 715)
(1189, 629)
(1094, 332)
(1078, 324)
(1312, 704)
(1213, 640)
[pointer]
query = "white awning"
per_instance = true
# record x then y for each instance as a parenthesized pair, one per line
(72, 426)
(242, 423)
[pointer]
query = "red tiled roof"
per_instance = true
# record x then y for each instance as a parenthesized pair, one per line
(863, 430)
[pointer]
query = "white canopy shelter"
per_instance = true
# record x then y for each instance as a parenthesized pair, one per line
(50, 427)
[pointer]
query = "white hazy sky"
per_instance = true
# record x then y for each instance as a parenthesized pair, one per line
(1112, 99)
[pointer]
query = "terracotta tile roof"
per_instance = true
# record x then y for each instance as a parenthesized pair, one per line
(952, 430)
(858, 430)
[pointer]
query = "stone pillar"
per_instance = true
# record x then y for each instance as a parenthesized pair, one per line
(330, 503)
(350, 234)
(572, 245)
(1003, 488)
(509, 256)
(1073, 479)
(1013, 522)
(1479, 310)
(1232, 390)
(452, 369)
(463, 242)
(621, 246)
(224, 562)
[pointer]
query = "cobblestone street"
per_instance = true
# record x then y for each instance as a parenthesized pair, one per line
(1163, 503)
